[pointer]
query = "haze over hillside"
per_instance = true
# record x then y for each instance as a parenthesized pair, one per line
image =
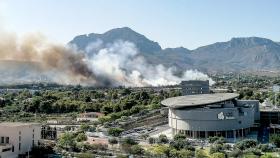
(122, 56)
(239, 54)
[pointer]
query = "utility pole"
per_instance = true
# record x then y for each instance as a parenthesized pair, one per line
(28, 151)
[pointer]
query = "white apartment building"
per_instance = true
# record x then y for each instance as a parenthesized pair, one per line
(17, 139)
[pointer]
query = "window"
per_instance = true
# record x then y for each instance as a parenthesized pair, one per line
(2, 140)
(33, 143)
(13, 149)
(19, 138)
(7, 140)
(19, 132)
(19, 146)
(32, 135)
(7, 149)
(33, 130)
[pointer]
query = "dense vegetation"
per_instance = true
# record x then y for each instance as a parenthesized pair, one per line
(249, 86)
(114, 103)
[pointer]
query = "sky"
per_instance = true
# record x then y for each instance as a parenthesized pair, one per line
(171, 23)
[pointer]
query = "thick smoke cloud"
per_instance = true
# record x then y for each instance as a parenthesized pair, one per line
(115, 64)
(121, 63)
(61, 64)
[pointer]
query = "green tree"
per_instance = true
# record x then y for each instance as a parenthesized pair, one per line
(107, 109)
(115, 131)
(46, 106)
(104, 119)
(67, 141)
(136, 150)
(81, 137)
(125, 91)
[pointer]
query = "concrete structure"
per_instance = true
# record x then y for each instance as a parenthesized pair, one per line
(195, 87)
(217, 114)
(49, 133)
(17, 139)
(269, 113)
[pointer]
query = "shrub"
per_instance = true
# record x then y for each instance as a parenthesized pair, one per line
(265, 148)
(179, 144)
(162, 139)
(81, 137)
(179, 136)
(115, 131)
(181, 153)
(221, 140)
(275, 139)
(84, 127)
(213, 139)
(199, 153)
(245, 144)
(185, 153)
(136, 150)
(235, 153)
(113, 141)
(226, 147)
(160, 150)
(254, 151)
(216, 148)
(218, 155)
(129, 141)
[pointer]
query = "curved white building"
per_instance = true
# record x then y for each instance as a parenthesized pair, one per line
(218, 114)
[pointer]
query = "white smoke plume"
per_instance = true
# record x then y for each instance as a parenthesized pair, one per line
(121, 64)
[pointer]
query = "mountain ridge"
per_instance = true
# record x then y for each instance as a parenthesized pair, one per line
(110, 36)
(237, 54)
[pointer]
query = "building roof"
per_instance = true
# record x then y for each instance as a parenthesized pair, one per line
(197, 100)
